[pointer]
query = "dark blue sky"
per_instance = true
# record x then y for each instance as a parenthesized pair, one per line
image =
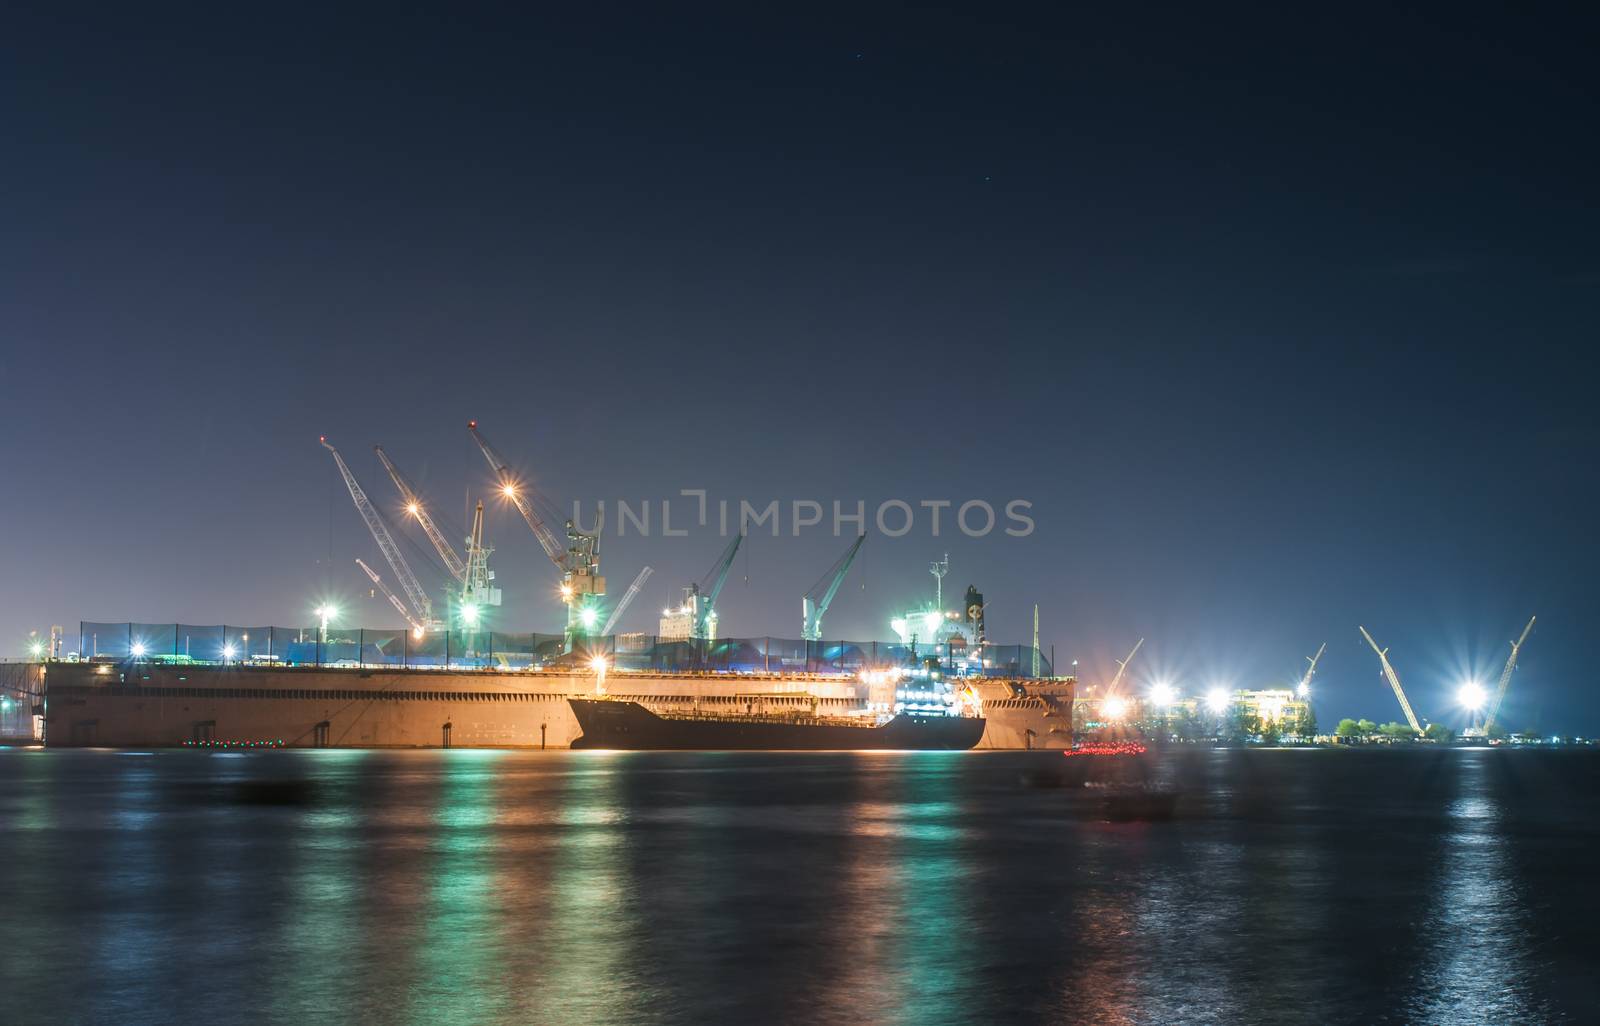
(1281, 320)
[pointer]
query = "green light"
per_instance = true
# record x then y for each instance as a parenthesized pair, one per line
(469, 615)
(588, 616)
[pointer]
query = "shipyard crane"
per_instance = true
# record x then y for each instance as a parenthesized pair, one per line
(578, 560)
(705, 601)
(421, 606)
(1304, 687)
(417, 627)
(521, 497)
(812, 612)
(477, 588)
(416, 507)
(1505, 677)
(1394, 680)
(1122, 668)
(627, 597)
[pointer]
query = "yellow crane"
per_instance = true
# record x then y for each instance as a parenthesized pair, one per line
(1505, 676)
(1394, 680)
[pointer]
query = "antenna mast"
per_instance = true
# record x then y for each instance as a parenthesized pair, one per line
(1036, 641)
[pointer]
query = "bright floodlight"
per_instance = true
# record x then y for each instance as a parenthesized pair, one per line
(1472, 695)
(1163, 694)
(416, 632)
(469, 614)
(138, 650)
(228, 652)
(598, 664)
(1217, 700)
(412, 508)
(1303, 690)
(509, 491)
(588, 616)
(933, 619)
(1115, 707)
(36, 649)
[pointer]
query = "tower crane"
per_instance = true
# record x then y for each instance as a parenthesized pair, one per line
(1304, 687)
(1122, 668)
(416, 625)
(578, 560)
(812, 612)
(627, 597)
(1505, 677)
(1394, 680)
(417, 509)
(421, 607)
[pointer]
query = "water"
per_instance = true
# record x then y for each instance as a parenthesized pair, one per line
(456, 887)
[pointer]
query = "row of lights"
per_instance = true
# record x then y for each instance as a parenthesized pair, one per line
(1217, 700)
(1471, 695)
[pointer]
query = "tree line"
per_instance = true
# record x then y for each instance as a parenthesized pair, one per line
(1366, 730)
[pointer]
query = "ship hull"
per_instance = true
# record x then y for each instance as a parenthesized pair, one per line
(147, 704)
(630, 726)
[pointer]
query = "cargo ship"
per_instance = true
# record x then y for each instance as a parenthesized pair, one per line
(630, 726)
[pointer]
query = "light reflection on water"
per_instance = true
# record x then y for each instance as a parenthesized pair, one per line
(1477, 964)
(456, 887)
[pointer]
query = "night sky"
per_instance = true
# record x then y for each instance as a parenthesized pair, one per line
(1282, 319)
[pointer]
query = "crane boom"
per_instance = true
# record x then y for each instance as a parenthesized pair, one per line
(1394, 680)
(627, 597)
(1311, 671)
(707, 609)
(393, 598)
(519, 498)
(1122, 668)
(415, 506)
(811, 625)
(1505, 676)
(420, 604)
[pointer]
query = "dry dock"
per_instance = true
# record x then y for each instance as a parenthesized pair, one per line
(136, 704)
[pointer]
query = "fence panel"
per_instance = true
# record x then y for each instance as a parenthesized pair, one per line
(200, 644)
(427, 652)
(385, 648)
(297, 646)
(468, 650)
(483, 650)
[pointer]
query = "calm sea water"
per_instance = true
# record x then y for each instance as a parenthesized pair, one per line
(456, 887)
